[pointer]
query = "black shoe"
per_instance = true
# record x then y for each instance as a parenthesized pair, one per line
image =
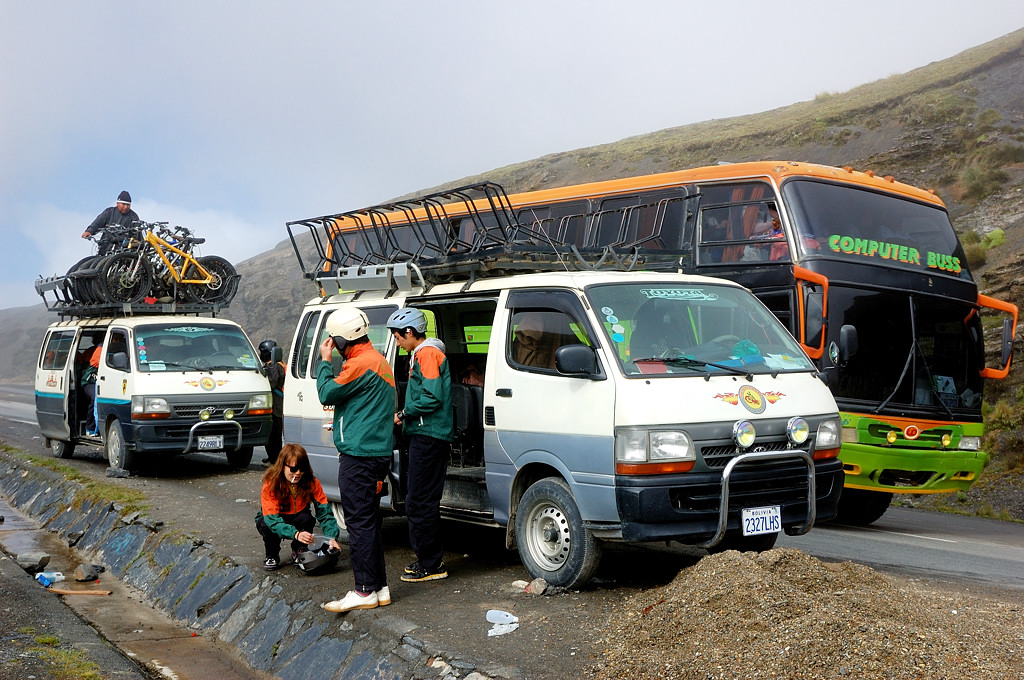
(420, 573)
(271, 563)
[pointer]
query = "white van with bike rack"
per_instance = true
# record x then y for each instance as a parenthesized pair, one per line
(169, 381)
(614, 405)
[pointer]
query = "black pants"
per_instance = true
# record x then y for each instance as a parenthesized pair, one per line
(361, 481)
(303, 521)
(89, 389)
(428, 464)
(276, 441)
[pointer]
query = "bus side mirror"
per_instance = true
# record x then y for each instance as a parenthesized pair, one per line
(578, 361)
(1007, 347)
(119, 360)
(847, 343)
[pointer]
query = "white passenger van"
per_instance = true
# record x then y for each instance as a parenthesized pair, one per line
(591, 402)
(165, 384)
(614, 407)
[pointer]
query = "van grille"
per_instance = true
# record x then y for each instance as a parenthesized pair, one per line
(718, 456)
(191, 410)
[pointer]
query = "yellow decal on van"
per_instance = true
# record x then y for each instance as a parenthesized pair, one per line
(207, 384)
(752, 399)
(728, 398)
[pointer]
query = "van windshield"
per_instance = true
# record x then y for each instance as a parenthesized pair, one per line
(692, 329)
(193, 345)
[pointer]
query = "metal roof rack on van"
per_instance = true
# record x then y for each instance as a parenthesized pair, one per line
(64, 304)
(459, 234)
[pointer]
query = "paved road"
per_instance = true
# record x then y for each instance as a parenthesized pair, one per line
(202, 496)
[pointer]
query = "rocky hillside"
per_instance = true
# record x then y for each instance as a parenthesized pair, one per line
(956, 126)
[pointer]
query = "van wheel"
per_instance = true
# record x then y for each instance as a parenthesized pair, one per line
(240, 458)
(860, 507)
(118, 455)
(759, 543)
(553, 543)
(61, 449)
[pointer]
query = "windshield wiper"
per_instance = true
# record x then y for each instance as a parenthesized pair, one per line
(696, 364)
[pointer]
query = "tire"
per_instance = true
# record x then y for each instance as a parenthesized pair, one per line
(60, 448)
(553, 543)
(118, 455)
(221, 289)
(241, 458)
(859, 507)
(124, 282)
(740, 543)
(75, 289)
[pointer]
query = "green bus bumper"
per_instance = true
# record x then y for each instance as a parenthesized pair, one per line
(903, 470)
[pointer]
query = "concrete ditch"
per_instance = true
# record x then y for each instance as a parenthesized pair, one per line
(208, 592)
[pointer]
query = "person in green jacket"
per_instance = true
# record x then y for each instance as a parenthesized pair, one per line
(427, 420)
(363, 396)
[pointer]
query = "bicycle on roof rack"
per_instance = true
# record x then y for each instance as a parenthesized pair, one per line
(156, 260)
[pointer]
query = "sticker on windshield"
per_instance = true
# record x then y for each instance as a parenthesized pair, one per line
(618, 331)
(678, 294)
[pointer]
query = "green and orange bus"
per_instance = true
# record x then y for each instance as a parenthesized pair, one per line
(866, 272)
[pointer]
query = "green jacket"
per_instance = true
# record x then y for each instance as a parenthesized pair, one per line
(428, 395)
(363, 396)
(272, 509)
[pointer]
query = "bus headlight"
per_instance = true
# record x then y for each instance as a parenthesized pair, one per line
(970, 443)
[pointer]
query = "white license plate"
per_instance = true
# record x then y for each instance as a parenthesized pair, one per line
(767, 520)
(211, 442)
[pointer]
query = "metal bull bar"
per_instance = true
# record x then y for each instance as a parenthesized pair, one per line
(758, 456)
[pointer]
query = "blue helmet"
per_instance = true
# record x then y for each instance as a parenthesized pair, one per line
(407, 317)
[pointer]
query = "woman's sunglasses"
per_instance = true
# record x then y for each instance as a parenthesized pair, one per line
(294, 468)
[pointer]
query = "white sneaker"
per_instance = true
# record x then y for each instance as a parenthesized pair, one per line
(384, 596)
(354, 600)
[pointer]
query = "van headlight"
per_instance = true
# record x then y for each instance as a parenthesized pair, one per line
(970, 443)
(642, 451)
(829, 434)
(150, 407)
(260, 404)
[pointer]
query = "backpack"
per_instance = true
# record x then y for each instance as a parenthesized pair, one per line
(88, 375)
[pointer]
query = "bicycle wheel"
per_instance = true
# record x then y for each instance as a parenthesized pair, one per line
(221, 288)
(126, 278)
(76, 288)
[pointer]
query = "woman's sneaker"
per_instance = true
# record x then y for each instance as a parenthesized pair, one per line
(271, 563)
(416, 572)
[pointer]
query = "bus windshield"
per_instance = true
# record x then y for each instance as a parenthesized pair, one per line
(857, 225)
(193, 346)
(692, 329)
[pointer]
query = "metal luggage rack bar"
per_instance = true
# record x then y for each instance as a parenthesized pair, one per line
(67, 307)
(462, 234)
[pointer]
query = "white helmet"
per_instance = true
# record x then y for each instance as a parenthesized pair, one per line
(348, 324)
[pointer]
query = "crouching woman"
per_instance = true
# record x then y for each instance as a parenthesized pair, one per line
(292, 502)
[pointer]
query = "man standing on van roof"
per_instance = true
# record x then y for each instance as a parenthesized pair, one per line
(363, 396)
(120, 214)
(428, 422)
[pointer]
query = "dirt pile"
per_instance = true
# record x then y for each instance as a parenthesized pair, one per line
(784, 614)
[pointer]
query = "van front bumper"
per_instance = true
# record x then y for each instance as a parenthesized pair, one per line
(685, 507)
(182, 436)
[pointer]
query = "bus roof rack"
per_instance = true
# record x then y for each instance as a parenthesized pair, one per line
(459, 234)
(65, 305)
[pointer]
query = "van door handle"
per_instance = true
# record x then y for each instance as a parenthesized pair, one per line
(503, 392)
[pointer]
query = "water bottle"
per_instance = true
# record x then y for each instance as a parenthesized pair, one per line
(48, 578)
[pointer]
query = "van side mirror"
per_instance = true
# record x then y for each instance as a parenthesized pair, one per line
(276, 353)
(119, 360)
(578, 361)
(848, 344)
